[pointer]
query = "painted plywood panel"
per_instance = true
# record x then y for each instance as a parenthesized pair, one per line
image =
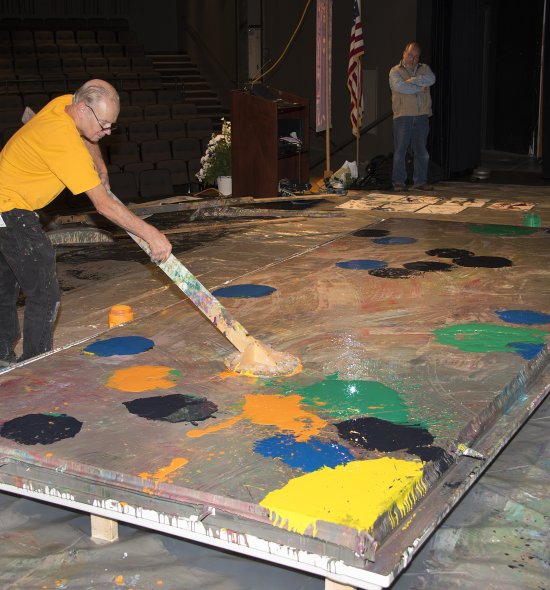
(413, 335)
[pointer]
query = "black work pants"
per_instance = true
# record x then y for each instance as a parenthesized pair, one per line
(27, 262)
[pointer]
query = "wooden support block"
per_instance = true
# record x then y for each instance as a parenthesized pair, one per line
(104, 529)
(331, 585)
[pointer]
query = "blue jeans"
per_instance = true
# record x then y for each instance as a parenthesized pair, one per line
(27, 262)
(410, 131)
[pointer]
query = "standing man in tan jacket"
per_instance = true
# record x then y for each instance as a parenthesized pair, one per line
(410, 83)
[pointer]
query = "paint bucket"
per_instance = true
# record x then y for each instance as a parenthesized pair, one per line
(532, 220)
(120, 314)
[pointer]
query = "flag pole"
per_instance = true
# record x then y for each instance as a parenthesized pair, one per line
(328, 171)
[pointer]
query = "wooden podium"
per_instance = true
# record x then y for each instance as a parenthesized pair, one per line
(260, 158)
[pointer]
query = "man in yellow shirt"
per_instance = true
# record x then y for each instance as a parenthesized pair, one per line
(57, 148)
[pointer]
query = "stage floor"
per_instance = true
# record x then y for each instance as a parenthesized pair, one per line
(415, 337)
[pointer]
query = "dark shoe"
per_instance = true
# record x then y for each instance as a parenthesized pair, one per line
(399, 188)
(424, 187)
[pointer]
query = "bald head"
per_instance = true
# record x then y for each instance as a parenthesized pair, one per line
(411, 54)
(96, 91)
(95, 109)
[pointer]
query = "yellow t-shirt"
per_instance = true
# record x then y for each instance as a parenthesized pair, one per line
(46, 155)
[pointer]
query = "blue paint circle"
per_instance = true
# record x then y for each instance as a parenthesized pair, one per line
(121, 345)
(523, 316)
(362, 264)
(308, 456)
(244, 290)
(394, 240)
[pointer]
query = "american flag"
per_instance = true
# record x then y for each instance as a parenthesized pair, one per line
(355, 82)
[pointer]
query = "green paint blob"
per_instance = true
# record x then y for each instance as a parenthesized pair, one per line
(501, 230)
(343, 399)
(487, 337)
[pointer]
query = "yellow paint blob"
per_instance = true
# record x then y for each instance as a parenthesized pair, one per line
(353, 495)
(143, 378)
(282, 412)
(163, 474)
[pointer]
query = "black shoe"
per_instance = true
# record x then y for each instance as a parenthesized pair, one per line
(424, 187)
(399, 188)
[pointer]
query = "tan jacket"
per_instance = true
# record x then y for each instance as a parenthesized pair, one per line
(410, 90)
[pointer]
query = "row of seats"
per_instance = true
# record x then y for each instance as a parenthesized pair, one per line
(53, 24)
(133, 103)
(181, 157)
(28, 66)
(150, 111)
(72, 50)
(148, 184)
(154, 150)
(140, 131)
(67, 36)
(181, 173)
(136, 105)
(77, 63)
(59, 83)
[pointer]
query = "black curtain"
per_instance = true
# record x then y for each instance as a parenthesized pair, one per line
(455, 39)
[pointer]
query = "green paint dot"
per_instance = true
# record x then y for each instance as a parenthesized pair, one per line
(487, 337)
(501, 230)
(348, 398)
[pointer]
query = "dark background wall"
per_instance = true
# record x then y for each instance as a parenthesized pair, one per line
(485, 53)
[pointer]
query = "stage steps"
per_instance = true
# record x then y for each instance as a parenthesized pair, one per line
(177, 69)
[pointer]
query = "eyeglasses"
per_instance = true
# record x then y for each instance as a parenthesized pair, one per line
(111, 127)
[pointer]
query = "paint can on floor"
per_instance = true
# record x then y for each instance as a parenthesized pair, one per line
(120, 314)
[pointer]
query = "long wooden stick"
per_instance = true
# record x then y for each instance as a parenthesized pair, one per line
(200, 296)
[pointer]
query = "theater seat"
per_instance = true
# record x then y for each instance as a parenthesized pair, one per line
(155, 184)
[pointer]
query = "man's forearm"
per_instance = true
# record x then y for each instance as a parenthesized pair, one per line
(115, 211)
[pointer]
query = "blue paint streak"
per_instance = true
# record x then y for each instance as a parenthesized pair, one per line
(122, 345)
(307, 456)
(244, 290)
(394, 240)
(523, 316)
(362, 264)
(527, 350)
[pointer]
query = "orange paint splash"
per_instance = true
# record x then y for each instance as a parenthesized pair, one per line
(143, 378)
(232, 374)
(282, 412)
(162, 475)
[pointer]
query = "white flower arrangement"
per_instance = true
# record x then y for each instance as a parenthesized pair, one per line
(217, 157)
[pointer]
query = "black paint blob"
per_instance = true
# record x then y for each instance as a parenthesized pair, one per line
(483, 261)
(172, 408)
(392, 273)
(449, 253)
(371, 233)
(375, 434)
(43, 429)
(428, 266)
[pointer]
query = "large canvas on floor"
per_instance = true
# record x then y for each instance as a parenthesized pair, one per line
(416, 339)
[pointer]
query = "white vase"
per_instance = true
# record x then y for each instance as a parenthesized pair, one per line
(224, 185)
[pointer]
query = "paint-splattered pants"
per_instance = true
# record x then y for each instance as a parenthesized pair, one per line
(27, 262)
(410, 131)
